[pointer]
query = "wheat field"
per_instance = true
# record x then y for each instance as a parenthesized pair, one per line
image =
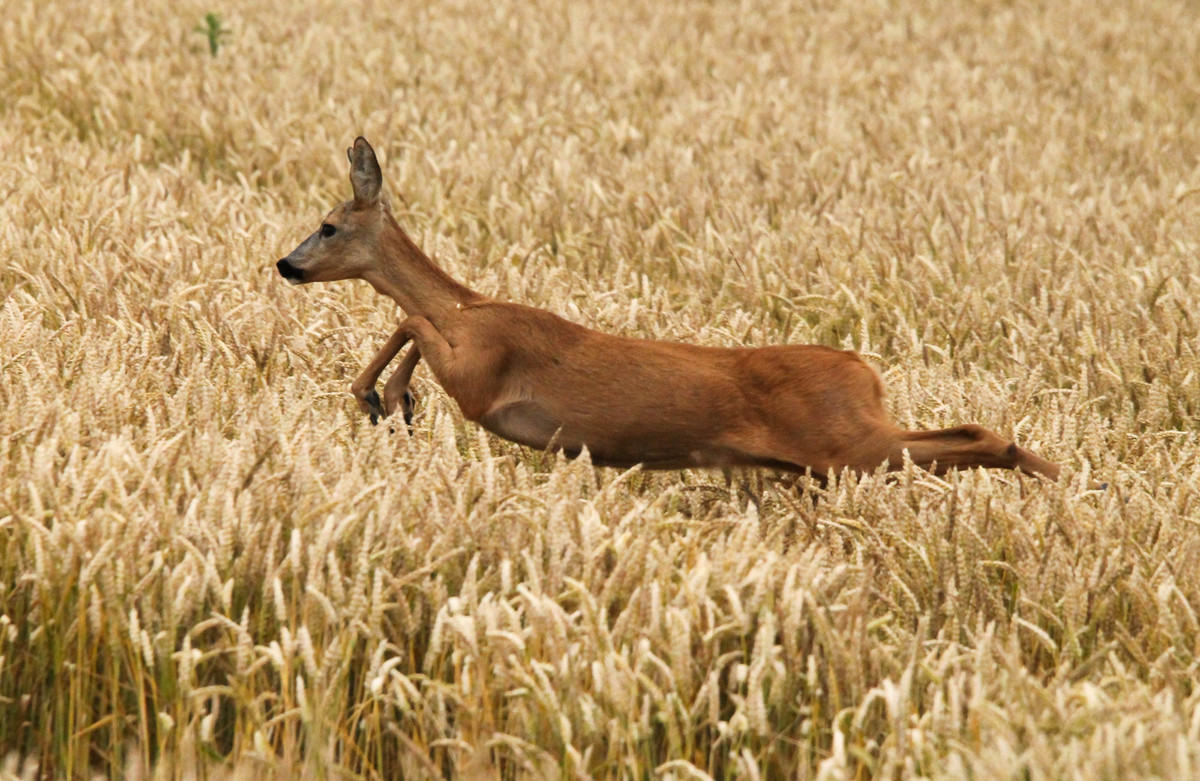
(213, 566)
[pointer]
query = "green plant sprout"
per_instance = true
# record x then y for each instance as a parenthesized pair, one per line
(212, 30)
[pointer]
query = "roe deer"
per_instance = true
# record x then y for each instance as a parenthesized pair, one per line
(534, 378)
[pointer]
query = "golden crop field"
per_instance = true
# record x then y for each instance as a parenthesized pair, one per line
(213, 566)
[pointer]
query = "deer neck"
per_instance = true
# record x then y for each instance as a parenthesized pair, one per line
(407, 276)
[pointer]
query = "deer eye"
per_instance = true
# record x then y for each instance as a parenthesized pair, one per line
(327, 230)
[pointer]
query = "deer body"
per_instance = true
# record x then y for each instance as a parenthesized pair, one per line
(537, 379)
(634, 401)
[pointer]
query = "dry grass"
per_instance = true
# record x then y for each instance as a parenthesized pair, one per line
(210, 564)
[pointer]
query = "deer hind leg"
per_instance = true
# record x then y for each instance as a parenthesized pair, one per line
(963, 447)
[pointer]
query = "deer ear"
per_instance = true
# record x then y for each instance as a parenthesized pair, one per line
(365, 176)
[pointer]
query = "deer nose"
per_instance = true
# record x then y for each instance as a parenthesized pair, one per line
(289, 272)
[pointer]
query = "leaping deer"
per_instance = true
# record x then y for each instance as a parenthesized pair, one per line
(534, 378)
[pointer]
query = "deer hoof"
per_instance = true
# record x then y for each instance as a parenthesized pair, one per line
(402, 402)
(374, 407)
(408, 404)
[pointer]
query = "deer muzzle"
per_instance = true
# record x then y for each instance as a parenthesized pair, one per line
(290, 272)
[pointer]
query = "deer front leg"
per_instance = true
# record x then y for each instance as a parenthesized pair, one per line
(396, 394)
(363, 388)
(464, 378)
(467, 372)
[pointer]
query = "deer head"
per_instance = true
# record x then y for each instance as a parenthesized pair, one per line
(347, 244)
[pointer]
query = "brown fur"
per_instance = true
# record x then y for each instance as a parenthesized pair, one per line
(534, 378)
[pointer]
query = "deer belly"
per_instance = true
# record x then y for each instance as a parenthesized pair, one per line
(523, 422)
(528, 423)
